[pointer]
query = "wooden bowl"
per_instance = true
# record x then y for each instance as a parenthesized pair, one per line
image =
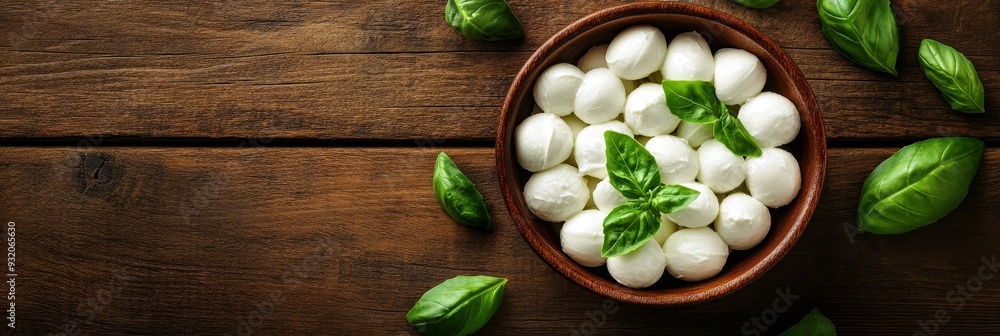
(721, 30)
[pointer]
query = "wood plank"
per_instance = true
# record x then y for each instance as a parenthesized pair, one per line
(340, 241)
(390, 70)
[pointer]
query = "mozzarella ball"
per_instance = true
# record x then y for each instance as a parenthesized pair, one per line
(637, 52)
(542, 141)
(689, 58)
(719, 168)
(678, 162)
(774, 178)
(743, 221)
(739, 75)
(695, 254)
(667, 228)
(555, 89)
(695, 134)
(646, 111)
(557, 193)
(771, 119)
(594, 58)
(589, 151)
(601, 97)
(606, 197)
(699, 213)
(640, 268)
(582, 237)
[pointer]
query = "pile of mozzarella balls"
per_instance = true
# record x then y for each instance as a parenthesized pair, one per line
(617, 87)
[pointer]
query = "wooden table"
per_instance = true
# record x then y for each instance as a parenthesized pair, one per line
(254, 167)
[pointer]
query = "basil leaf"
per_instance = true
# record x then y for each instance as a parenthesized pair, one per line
(631, 168)
(629, 226)
(954, 75)
(918, 185)
(671, 198)
(730, 131)
(458, 306)
(693, 101)
(813, 324)
(458, 197)
(485, 20)
(864, 31)
(759, 4)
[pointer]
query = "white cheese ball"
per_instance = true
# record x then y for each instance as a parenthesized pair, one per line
(743, 221)
(601, 97)
(667, 228)
(637, 52)
(695, 254)
(555, 89)
(699, 213)
(542, 141)
(774, 178)
(739, 75)
(646, 111)
(718, 168)
(677, 160)
(640, 268)
(582, 237)
(695, 134)
(589, 151)
(576, 125)
(606, 197)
(594, 58)
(689, 58)
(771, 119)
(557, 193)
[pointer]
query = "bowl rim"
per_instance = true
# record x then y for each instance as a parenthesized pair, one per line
(738, 280)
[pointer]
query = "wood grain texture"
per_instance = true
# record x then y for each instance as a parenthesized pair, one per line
(394, 70)
(339, 241)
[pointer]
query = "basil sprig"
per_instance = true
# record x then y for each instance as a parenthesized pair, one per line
(485, 20)
(813, 324)
(696, 102)
(458, 196)
(458, 306)
(864, 31)
(633, 171)
(954, 75)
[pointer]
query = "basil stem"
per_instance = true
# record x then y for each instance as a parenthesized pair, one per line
(813, 324)
(954, 75)
(486, 20)
(864, 31)
(458, 196)
(759, 4)
(458, 306)
(918, 185)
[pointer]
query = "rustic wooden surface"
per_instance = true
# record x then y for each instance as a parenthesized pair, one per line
(149, 198)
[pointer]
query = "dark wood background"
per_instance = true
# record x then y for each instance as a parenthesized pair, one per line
(255, 167)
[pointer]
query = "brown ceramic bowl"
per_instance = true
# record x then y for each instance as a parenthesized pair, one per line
(721, 30)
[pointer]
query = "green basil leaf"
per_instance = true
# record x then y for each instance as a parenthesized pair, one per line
(671, 198)
(954, 75)
(486, 20)
(629, 226)
(458, 196)
(759, 4)
(864, 31)
(730, 131)
(813, 324)
(693, 101)
(918, 185)
(458, 306)
(631, 168)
